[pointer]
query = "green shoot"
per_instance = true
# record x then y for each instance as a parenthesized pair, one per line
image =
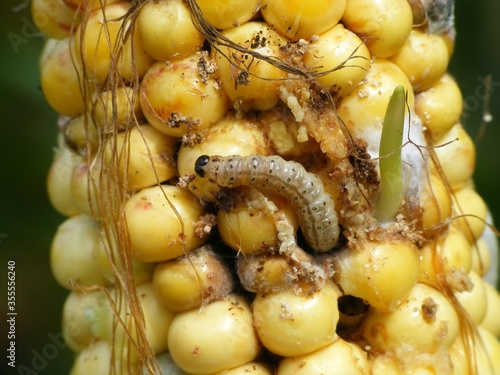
(391, 180)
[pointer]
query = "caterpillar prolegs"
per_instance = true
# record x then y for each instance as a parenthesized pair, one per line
(315, 208)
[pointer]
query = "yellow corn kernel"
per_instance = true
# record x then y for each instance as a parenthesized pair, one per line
(481, 257)
(385, 24)
(252, 209)
(298, 19)
(290, 324)
(474, 301)
(224, 14)
(117, 109)
(381, 273)
(162, 222)
(180, 97)
(456, 153)
(193, 280)
(340, 357)
(440, 106)
(167, 31)
(59, 181)
(364, 108)
(77, 318)
(72, 253)
(448, 254)
(253, 83)
(424, 59)
(342, 55)
(220, 336)
(79, 189)
(425, 322)
(94, 359)
(486, 354)
(59, 76)
(97, 39)
(104, 253)
(80, 134)
(266, 273)
(250, 368)
(436, 204)
(144, 155)
(491, 321)
(157, 322)
(470, 213)
(88, 5)
(384, 365)
(54, 18)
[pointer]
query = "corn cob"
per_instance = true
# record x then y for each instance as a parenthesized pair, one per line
(176, 266)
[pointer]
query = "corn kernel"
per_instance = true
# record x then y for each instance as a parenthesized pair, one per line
(481, 258)
(436, 203)
(452, 249)
(97, 39)
(252, 82)
(59, 72)
(162, 222)
(363, 110)
(298, 19)
(381, 273)
(157, 322)
(167, 31)
(290, 324)
(385, 25)
(117, 109)
(224, 14)
(54, 18)
(72, 253)
(104, 253)
(59, 181)
(342, 49)
(423, 58)
(144, 155)
(94, 359)
(180, 97)
(440, 106)
(340, 357)
(77, 318)
(425, 321)
(470, 212)
(474, 301)
(491, 321)
(252, 209)
(193, 280)
(457, 157)
(218, 337)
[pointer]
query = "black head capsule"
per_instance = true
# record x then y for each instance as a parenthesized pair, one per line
(199, 164)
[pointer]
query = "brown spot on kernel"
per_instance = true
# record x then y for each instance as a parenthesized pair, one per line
(196, 351)
(429, 310)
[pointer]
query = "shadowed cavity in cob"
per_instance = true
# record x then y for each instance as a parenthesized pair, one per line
(169, 271)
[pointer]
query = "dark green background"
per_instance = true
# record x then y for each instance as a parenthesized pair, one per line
(28, 134)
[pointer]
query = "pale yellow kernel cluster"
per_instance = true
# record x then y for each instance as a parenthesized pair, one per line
(169, 272)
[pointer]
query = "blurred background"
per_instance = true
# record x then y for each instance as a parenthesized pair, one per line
(28, 136)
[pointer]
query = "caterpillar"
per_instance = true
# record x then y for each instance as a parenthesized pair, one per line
(315, 208)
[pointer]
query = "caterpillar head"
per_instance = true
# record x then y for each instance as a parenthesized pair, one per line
(201, 162)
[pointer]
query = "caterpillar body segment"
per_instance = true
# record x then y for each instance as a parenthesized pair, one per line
(315, 208)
